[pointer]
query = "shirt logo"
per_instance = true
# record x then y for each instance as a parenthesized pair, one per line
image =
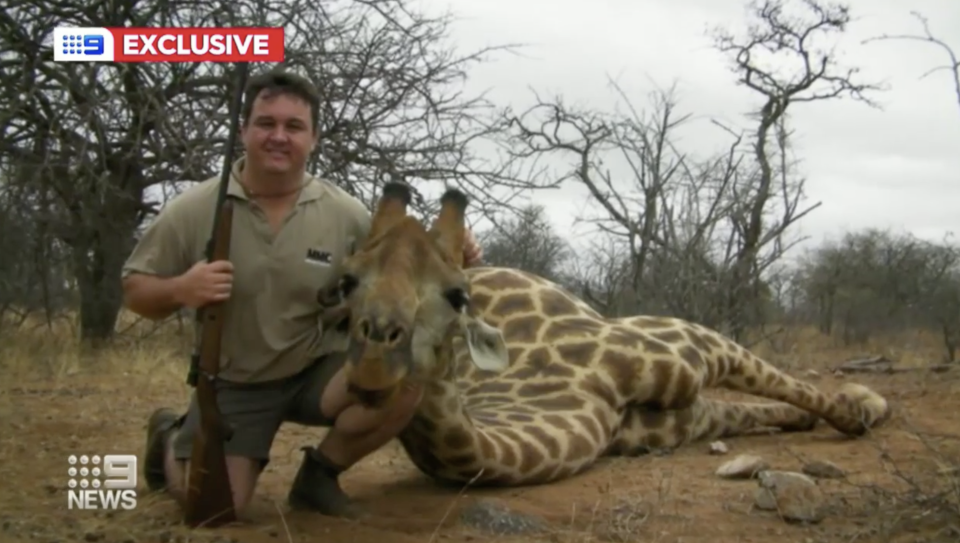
(319, 257)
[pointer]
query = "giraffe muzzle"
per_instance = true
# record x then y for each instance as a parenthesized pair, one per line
(375, 368)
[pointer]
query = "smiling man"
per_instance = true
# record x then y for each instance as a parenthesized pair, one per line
(291, 232)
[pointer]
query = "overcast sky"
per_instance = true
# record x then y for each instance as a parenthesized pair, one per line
(897, 168)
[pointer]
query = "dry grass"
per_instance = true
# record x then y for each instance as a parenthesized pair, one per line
(57, 398)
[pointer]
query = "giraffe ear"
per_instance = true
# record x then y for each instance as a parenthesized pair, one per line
(488, 350)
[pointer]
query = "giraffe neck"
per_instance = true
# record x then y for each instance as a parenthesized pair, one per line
(542, 419)
(443, 440)
(487, 437)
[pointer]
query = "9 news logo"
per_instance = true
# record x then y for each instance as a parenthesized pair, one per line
(82, 44)
(108, 482)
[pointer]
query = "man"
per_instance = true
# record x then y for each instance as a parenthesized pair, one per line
(291, 231)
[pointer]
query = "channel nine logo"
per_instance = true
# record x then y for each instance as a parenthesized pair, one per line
(168, 44)
(82, 44)
(108, 482)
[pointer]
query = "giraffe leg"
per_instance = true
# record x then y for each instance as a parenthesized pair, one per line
(718, 418)
(645, 429)
(853, 409)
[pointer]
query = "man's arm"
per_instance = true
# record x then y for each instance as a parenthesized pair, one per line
(151, 275)
(472, 251)
(150, 296)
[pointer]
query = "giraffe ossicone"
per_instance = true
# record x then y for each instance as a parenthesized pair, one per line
(523, 382)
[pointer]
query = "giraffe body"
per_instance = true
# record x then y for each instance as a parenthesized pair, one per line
(581, 386)
(526, 384)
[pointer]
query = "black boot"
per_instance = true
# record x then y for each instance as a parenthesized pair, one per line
(316, 488)
(161, 426)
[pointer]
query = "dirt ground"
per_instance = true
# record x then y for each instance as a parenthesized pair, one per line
(54, 403)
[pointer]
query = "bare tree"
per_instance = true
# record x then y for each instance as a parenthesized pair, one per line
(664, 208)
(527, 241)
(33, 273)
(874, 281)
(793, 40)
(861, 283)
(952, 64)
(601, 277)
(701, 232)
(93, 144)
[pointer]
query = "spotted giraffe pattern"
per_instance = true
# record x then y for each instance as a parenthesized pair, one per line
(576, 386)
(581, 386)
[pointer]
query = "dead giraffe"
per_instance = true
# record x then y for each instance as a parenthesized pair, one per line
(525, 384)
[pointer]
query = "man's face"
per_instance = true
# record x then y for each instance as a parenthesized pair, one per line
(279, 136)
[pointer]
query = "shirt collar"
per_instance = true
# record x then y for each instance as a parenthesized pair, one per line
(313, 189)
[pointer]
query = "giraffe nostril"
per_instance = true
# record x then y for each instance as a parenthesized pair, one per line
(365, 328)
(395, 335)
(389, 332)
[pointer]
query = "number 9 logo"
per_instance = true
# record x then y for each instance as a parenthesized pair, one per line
(120, 471)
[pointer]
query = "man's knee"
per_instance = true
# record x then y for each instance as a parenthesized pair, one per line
(246, 453)
(176, 472)
(334, 398)
(242, 473)
(391, 418)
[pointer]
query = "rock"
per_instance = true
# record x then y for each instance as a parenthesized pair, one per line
(744, 466)
(718, 447)
(497, 518)
(823, 469)
(795, 496)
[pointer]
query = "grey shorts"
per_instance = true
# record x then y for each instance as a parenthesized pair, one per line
(255, 411)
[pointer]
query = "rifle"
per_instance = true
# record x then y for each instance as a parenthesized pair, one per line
(209, 499)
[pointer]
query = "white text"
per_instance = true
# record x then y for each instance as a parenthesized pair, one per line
(102, 499)
(184, 45)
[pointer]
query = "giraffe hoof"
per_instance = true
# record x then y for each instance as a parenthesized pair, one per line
(866, 409)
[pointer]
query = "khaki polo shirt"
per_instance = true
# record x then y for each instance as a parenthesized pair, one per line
(271, 329)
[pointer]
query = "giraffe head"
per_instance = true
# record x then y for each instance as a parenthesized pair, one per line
(403, 296)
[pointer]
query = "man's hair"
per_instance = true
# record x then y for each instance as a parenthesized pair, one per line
(277, 82)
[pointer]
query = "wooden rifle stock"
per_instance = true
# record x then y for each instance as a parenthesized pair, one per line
(209, 495)
(209, 499)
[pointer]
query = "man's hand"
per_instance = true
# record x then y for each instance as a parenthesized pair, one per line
(472, 252)
(204, 283)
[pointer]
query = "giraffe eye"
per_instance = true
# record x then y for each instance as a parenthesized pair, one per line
(458, 299)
